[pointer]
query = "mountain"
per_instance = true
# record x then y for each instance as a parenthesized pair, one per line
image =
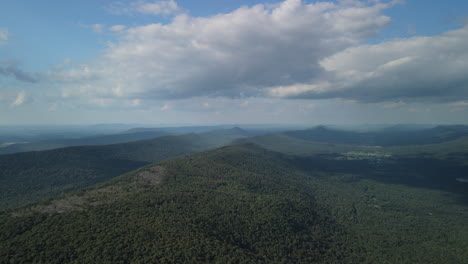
(441, 141)
(392, 136)
(451, 149)
(29, 176)
(281, 142)
(179, 129)
(23, 133)
(244, 204)
(95, 140)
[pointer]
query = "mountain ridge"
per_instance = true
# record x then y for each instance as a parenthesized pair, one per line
(28, 176)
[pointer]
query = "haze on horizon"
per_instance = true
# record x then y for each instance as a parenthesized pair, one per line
(219, 62)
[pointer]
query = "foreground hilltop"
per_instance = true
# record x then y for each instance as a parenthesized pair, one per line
(232, 205)
(243, 204)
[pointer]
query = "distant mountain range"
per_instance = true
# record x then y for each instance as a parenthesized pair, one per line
(395, 135)
(95, 140)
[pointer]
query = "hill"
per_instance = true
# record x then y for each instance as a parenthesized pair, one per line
(29, 176)
(244, 204)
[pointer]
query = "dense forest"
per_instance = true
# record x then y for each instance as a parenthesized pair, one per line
(245, 204)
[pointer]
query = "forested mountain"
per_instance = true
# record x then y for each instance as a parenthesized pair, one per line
(244, 204)
(392, 136)
(32, 133)
(26, 177)
(96, 140)
(443, 142)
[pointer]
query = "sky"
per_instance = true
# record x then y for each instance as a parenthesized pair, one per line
(233, 62)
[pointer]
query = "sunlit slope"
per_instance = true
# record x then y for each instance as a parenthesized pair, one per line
(244, 204)
(26, 177)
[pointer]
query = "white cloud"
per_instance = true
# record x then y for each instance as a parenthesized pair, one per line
(460, 104)
(134, 102)
(75, 75)
(242, 53)
(4, 34)
(117, 28)
(146, 7)
(298, 89)
(20, 99)
(97, 28)
(417, 68)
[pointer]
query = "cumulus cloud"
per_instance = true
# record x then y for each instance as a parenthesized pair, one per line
(20, 99)
(20, 75)
(146, 7)
(3, 35)
(242, 53)
(417, 68)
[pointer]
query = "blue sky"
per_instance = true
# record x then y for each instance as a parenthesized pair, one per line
(101, 61)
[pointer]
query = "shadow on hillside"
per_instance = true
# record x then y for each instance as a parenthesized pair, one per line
(427, 173)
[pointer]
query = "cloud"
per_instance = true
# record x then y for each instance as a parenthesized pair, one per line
(4, 34)
(165, 107)
(20, 99)
(459, 104)
(392, 105)
(97, 28)
(245, 104)
(306, 108)
(242, 53)
(75, 75)
(62, 65)
(418, 68)
(19, 74)
(53, 107)
(102, 102)
(146, 7)
(117, 28)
